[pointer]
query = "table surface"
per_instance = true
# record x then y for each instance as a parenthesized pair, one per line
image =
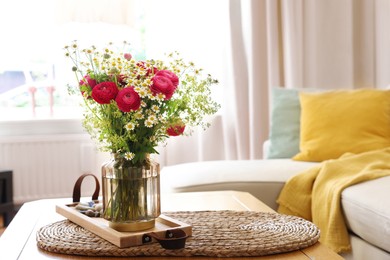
(19, 239)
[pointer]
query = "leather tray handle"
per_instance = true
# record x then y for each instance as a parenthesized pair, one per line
(174, 238)
(77, 187)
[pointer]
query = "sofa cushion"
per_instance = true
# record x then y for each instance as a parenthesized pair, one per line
(284, 123)
(366, 208)
(262, 178)
(342, 121)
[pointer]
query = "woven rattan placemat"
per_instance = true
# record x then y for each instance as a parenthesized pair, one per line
(215, 233)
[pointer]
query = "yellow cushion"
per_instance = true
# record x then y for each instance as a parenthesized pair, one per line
(336, 122)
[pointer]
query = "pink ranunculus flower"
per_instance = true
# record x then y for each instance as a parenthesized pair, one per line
(87, 80)
(176, 130)
(104, 92)
(170, 75)
(127, 56)
(86, 84)
(162, 85)
(128, 100)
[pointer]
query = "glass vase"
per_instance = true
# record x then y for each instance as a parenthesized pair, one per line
(131, 194)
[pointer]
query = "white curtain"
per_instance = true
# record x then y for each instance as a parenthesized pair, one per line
(296, 44)
(334, 44)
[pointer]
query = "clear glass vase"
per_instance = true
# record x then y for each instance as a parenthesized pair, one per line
(131, 194)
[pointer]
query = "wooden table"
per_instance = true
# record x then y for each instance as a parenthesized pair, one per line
(19, 239)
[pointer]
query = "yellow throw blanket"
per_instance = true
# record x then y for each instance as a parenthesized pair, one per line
(315, 194)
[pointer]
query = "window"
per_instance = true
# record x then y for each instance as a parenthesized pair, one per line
(33, 70)
(34, 73)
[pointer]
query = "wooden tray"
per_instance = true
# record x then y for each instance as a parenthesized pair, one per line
(99, 226)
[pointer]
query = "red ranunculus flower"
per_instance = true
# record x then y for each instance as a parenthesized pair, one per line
(176, 130)
(127, 99)
(104, 92)
(170, 75)
(162, 85)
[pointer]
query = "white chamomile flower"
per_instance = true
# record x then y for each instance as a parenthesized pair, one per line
(152, 118)
(148, 82)
(155, 108)
(142, 93)
(130, 126)
(137, 89)
(160, 96)
(129, 156)
(138, 115)
(149, 123)
(162, 119)
(143, 104)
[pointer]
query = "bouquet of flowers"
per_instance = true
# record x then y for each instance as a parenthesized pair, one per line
(131, 106)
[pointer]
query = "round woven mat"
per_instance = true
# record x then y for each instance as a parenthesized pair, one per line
(214, 233)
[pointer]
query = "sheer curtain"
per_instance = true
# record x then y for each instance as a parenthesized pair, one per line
(327, 44)
(334, 44)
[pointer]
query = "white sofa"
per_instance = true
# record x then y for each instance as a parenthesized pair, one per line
(366, 206)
